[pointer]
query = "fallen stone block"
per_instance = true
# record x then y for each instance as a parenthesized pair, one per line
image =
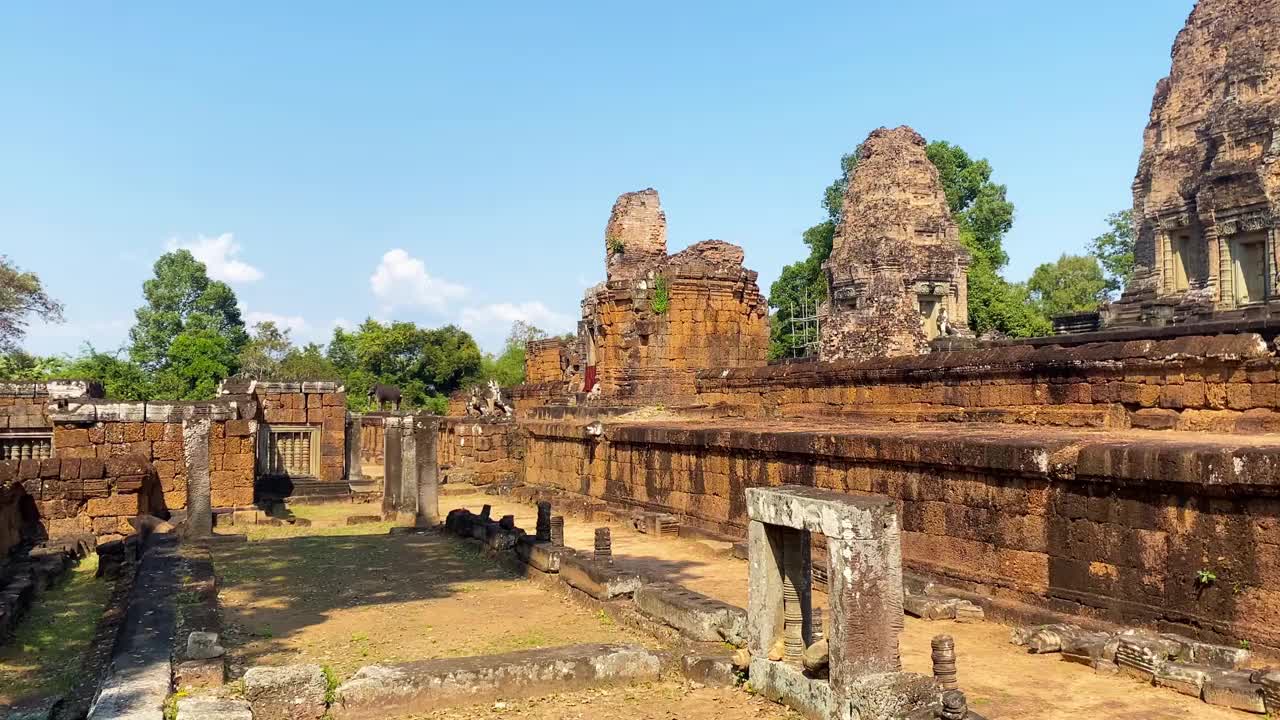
(1183, 677)
(1088, 648)
(599, 580)
(1141, 656)
(204, 645)
(500, 539)
(1270, 682)
(930, 608)
(1048, 638)
(288, 692)
(198, 674)
(543, 557)
(213, 709)
(967, 612)
(1233, 689)
(381, 691)
(711, 669)
(696, 616)
(1202, 653)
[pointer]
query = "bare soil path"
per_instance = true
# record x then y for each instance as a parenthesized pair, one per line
(1001, 680)
(352, 596)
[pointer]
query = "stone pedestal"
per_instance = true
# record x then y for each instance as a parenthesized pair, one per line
(411, 485)
(392, 464)
(195, 452)
(426, 433)
(355, 470)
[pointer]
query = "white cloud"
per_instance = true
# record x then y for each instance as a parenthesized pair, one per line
(491, 322)
(402, 280)
(293, 323)
(219, 255)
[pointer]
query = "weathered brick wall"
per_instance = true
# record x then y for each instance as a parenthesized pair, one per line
(313, 404)
(23, 405)
(480, 450)
(1220, 384)
(1110, 525)
(100, 430)
(74, 496)
(715, 317)
(542, 361)
(373, 436)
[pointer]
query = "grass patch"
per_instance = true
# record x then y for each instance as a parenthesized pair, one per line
(330, 684)
(44, 656)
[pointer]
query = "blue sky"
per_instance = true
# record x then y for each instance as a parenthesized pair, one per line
(456, 162)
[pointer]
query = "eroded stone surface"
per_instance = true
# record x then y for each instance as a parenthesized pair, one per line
(289, 692)
(896, 276)
(1207, 192)
(379, 691)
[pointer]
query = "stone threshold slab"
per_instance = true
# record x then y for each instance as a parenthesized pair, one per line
(385, 691)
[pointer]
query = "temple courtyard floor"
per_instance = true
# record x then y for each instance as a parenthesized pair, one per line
(344, 596)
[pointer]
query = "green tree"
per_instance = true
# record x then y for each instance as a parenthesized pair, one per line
(121, 379)
(21, 296)
(181, 297)
(423, 363)
(25, 367)
(1072, 284)
(198, 359)
(1114, 249)
(261, 357)
(508, 367)
(307, 363)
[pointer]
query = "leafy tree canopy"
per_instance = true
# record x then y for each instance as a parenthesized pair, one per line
(179, 298)
(1114, 249)
(21, 296)
(423, 363)
(1072, 284)
(508, 367)
(261, 356)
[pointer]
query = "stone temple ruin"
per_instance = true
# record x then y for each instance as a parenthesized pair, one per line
(1207, 193)
(896, 276)
(1112, 496)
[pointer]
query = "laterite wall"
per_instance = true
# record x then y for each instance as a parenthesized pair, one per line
(1090, 523)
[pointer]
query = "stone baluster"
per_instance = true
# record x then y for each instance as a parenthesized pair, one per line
(604, 545)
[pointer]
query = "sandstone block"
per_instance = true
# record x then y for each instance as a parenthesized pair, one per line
(289, 692)
(1233, 689)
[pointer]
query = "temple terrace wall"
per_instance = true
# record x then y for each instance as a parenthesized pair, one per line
(481, 451)
(1115, 526)
(91, 429)
(1224, 383)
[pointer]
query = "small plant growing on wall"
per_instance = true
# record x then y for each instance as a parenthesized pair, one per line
(615, 245)
(661, 296)
(1205, 578)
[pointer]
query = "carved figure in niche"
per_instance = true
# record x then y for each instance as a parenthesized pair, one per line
(944, 323)
(384, 395)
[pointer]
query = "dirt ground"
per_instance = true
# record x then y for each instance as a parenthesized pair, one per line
(351, 596)
(45, 653)
(1001, 680)
(666, 700)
